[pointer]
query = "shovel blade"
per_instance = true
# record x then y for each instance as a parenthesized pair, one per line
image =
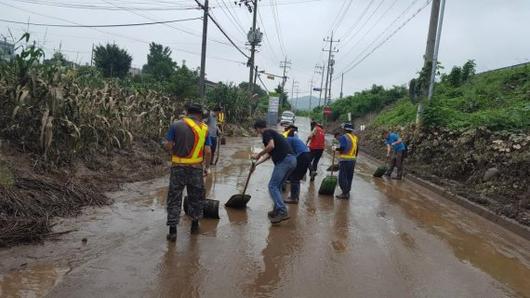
(238, 201)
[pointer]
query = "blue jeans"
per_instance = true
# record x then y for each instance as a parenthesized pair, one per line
(346, 168)
(281, 171)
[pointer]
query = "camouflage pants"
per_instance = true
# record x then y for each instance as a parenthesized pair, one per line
(191, 178)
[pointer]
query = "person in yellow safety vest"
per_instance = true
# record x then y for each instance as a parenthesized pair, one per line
(220, 115)
(348, 151)
(189, 144)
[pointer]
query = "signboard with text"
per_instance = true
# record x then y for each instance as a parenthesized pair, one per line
(272, 115)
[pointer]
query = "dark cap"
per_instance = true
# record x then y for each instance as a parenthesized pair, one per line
(194, 108)
(260, 123)
(347, 126)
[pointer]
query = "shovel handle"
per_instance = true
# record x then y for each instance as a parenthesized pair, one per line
(248, 178)
(333, 162)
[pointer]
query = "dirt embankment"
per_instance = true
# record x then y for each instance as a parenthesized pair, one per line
(489, 168)
(31, 195)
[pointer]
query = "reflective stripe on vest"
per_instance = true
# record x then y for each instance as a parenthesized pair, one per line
(352, 153)
(221, 118)
(196, 154)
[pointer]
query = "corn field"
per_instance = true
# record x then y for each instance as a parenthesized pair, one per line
(49, 110)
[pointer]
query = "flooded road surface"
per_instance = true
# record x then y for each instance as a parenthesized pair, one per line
(391, 239)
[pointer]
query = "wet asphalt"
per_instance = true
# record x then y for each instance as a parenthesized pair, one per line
(391, 239)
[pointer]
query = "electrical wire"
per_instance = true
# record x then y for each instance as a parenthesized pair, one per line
(99, 26)
(274, 8)
(356, 62)
(223, 31)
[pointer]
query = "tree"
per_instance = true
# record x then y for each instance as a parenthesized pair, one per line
(112, 61)
(59, 59)
(468, 70)
(455, 76)
(183, 83)
(159, 63)
(284, 103)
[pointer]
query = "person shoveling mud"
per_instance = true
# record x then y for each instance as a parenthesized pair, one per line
(189, 143)
(277, 148)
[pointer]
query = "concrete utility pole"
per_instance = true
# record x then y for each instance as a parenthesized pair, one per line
(296, 101)
(202, 79)
(341, 84)
(285, 64)
(328, 69)
(436, 48)
(429, 51)
(310, 96)
(320, 70)
(331, 71)
(295, 84)
(253, 42)
(92, 56)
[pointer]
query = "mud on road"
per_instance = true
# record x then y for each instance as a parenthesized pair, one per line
(391, 239)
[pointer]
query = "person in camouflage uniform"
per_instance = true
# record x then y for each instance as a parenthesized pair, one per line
(189, 143)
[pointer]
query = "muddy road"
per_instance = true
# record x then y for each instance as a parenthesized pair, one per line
(391, 239)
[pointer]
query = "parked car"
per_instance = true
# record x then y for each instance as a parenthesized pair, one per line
(287, 118)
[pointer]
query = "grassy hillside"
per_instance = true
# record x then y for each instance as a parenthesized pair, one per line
(498, 100)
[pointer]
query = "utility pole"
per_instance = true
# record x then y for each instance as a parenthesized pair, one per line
(202, 79)
(328, 69)
(310, 96)
(253, 38)
(295, 84)
(331, 70)
(429, 51)
(436, 48)
(341, 85)
(92, 56)
(296, 102)
(320, 70)
(285, 64)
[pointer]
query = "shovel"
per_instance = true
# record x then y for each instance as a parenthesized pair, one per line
(218, 151)
(329, 182)
(240, 201)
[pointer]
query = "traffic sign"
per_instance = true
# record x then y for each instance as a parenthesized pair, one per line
(327, 111)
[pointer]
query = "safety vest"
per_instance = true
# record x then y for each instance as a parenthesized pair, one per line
(221, 118)
(200, 131)
(352, 152)
(285, 134)
(318, 140)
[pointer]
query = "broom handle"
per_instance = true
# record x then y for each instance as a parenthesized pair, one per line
(248, 179)
(333, 163)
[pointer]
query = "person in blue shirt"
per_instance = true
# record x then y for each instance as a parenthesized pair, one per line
(348, 152)
(395, 153)
(303, 159)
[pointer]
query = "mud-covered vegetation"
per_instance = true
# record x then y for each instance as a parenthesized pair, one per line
(474, 137)
(67, 132)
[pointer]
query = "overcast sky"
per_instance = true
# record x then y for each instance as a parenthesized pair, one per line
(493, 32)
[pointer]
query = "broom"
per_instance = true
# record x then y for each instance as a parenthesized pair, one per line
(329, 182)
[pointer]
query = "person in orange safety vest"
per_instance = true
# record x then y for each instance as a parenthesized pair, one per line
(189, 144)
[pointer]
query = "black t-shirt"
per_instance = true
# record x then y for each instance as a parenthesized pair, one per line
(281, 147)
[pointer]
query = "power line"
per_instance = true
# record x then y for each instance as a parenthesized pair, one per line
(231, 16)
(223, 31)
(360, 28)
(386, 39)
(277, 25)
(101, 7)
(269, 43)
(100, 26)
(372, 28)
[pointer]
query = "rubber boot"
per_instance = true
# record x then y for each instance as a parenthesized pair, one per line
(194, 226)
(172, 235)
